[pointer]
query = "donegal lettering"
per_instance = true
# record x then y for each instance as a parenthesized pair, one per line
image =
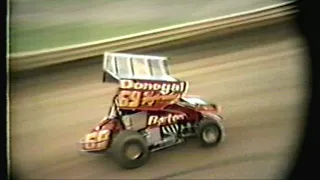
(163, 87)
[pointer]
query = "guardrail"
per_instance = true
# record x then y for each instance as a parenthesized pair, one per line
(29, 60)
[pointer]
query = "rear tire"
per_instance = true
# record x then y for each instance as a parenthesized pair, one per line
(210, 132)
(130, 150)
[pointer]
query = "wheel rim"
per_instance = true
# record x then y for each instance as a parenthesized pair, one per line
(210, 134)
(133, 151)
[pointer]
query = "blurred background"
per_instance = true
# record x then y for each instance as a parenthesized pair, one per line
(42, 24)
(258, 76)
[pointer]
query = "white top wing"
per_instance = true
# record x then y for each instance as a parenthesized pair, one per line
(133, 66)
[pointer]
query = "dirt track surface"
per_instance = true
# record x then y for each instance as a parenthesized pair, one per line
(259, 77)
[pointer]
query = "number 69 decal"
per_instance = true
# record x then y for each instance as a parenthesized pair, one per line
(96, 140)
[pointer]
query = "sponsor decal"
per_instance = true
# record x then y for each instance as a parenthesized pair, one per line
(163, 87)
(96, 140)
(144, 94)
(164, 120)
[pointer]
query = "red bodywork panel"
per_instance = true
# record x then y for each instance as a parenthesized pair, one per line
(100, 136)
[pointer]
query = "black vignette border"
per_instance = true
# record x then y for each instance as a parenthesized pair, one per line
(305, 20)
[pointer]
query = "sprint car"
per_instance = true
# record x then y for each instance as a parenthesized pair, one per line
(150, 112)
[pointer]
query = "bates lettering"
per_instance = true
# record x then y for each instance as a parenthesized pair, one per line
(164, 120)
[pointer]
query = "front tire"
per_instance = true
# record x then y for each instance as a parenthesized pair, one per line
(210, 132)
(130, 149)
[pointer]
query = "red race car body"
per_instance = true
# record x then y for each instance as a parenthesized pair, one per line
(147, 115)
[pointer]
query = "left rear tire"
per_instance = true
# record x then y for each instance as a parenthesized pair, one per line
(130, 149)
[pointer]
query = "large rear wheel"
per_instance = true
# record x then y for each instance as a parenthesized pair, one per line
(130, 149)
